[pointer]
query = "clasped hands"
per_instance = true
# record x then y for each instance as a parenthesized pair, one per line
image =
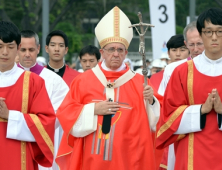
(106, 107)
(4, 112)
(213, 102)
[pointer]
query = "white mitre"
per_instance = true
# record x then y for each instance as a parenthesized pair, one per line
(114, 27)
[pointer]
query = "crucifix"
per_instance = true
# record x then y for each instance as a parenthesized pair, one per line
(142, 42)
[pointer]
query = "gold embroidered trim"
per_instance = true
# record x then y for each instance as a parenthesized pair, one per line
(180, 137)
(25, 95)
(174, 116)
(116, 21)
(191, 101)
(190, 151)
(114, 39)
(23, 155)
(190, 82)
(42, 131)
(25, 98)
(163, 166)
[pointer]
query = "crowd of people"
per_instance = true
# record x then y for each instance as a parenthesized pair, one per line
(106, 117)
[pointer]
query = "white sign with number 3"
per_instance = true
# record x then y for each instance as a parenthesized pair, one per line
(162, 16)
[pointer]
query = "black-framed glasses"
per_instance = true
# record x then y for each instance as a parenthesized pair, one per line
(210, 33)
(112, 50)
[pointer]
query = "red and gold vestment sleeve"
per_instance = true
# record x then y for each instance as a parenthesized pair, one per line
(68, 113)
(175, 101)
(41, 121)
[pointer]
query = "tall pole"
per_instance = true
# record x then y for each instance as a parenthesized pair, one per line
(192, 10)
(45, 26)
(142, 51)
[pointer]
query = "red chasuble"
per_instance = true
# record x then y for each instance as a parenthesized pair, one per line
(128, 145)
(198, 150)
(28, 93)
(69, 75)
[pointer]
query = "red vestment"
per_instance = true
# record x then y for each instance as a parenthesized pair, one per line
(128, 145)
(69, 75)
(40, 119)
(155, 79)
(198, 150)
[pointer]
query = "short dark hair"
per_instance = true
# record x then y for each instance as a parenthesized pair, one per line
(57, 33)
(91, 50)
(30, 34)
(213, 15)
(9, 32)
(175, 41)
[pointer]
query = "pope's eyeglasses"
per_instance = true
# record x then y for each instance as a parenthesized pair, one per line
(112, 50)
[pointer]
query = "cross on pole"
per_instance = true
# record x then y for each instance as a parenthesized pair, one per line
(142, 42)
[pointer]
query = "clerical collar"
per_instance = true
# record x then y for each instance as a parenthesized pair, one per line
(208, 60)
(59, 71)
(36, 68)
(8, 72)
(26, 68)
(122, 67)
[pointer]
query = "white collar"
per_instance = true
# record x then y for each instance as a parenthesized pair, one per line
(206, 59)
(26, 68)
(122, 67)
(9, 72)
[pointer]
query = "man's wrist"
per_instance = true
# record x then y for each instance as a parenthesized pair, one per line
(202, 110)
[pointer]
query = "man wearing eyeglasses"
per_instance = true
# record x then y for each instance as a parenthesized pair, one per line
(193, 40)
(194, 43)
(192, 105)
(104, 116)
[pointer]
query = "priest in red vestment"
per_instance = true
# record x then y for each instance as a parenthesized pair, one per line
(57, 48)
(106, 123)
(192, 105)
(26, 114)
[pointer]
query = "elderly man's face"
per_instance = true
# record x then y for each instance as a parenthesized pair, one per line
(114, 54)
(194, 43)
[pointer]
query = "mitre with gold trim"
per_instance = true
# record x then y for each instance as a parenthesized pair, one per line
(114, 27)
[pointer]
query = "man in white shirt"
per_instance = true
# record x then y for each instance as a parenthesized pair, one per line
(55, 85)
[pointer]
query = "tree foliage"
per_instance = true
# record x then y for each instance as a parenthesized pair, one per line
(68, 15)
(182, 11)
